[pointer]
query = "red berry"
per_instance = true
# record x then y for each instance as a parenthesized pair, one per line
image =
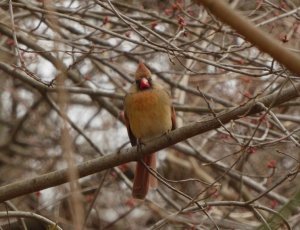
(272, 164)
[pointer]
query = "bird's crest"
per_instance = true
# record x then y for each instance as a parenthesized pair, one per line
(142, 72)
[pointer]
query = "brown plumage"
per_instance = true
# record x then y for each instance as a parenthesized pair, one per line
(148, 114)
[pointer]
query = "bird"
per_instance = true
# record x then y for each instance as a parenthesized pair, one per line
(148, 114)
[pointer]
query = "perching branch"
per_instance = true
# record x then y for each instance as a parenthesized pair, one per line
(111, 160)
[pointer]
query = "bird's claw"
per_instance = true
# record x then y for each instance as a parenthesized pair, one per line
(167, 136)
(139, 145)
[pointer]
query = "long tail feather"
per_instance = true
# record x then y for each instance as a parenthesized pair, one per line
(143, 178)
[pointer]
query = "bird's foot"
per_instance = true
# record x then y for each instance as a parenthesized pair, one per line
(139, 144)
(166, 134)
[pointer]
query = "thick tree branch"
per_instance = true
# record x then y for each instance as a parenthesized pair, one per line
(256, 36)
(17, 72)
(111, 160)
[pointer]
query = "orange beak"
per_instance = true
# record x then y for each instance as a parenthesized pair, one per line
(144, 83)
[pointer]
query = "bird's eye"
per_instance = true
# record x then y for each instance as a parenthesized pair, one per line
(138, 82)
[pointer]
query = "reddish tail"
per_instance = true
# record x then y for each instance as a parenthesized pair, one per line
(143, 178)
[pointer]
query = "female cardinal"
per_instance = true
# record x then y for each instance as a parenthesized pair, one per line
(148, 114)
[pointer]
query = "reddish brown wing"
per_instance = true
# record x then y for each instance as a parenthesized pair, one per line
(173, 118)
(130, 134)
